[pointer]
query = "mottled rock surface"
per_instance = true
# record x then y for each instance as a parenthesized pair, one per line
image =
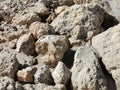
(108, 46)
(52, 48)
(86, 71)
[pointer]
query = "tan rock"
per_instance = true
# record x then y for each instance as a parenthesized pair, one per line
(26, 44)
(26, 75)
(38, 29)
(108, 46)
(79, 21)
(51, 48)
(25, 19)
(60, 9)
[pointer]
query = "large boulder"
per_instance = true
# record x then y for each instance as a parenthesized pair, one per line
(51, 48)
(108, 46)
(8, 63)
(79, 21)
(86, 71)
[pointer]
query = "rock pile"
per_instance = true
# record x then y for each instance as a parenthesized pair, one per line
(59, 45)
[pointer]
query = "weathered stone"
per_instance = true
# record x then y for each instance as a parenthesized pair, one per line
(26, 44)
(60, 9)
(26, 75)
(51, 48)
(61, 74)
(86, 71)
(108, 46)
(25, 19)
(38, 29)
(7, 83)
(79, 21)
(8, 63)
(43, 75)
(41, 9)
(13, 43)
(25, 60)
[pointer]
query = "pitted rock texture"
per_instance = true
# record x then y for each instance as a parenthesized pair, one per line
(8, 63)
(51, 48)
(108, 47)
(26, 44)
(38, 29)
(86, 71)
(79, 21)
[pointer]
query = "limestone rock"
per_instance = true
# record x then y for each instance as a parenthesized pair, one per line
(51, 48)
(25, 19)
(79, 21)
(38, 29)
(8, 63)
(43, 75)
(61, 74)
(86, 71)
(7, 83)
(108, 46)
(26, 75)
(59, 9)
(26, 44)
(13, 43)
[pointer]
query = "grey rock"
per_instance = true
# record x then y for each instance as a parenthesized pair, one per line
(86, 71)
(61, 74)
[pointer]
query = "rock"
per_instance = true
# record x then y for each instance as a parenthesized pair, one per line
(60, 9)
(41, 9)
(26, 75)
(56, 3)
(8, 63)
(108, 46)
(43, 75)
(61, 74)
(86, 71)
(38, 29)
(7, 83)
(48, 87)
(51, 48)
(13, 43)
(26, 44)
(25, 60)
(79, 21)
(25, 19)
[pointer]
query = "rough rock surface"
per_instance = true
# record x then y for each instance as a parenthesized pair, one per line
(52, 48)
(26, 44)
(61, 74)
(108, 46)
(26, 75)
(43, 75)
(79, 21)
(38, 29)
(86, 71)
(25, 19)
(8, 63)
(7, 83)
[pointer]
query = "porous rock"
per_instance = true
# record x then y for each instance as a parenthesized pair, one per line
(86, 71)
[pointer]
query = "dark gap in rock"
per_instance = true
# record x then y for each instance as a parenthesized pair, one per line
(43, 18)
(109, 21)
(68, 58)
(69, 85)
(110, 81)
